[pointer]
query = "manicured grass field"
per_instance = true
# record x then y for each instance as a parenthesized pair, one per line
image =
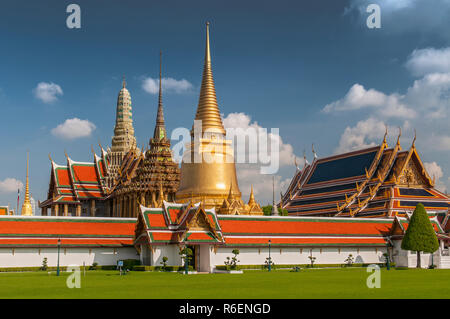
(310, 283)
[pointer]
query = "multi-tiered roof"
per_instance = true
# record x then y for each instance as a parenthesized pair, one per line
(378, 181)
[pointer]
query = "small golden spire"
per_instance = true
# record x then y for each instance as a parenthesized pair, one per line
(208, 109)
(414, 140)
(124, 83)
(251, 200)
(26, 207)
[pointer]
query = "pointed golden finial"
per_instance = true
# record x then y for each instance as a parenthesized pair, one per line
(124, 83)
(398, 138)
(26, 207)
(414, 140)
(385, 135)
(50, 157)
(208, 109)
(230, 194)
(251, 200)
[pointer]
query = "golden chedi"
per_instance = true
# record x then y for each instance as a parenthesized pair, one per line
(208, 171)
(27, 210)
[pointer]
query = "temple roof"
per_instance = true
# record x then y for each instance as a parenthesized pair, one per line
(37, 231)
(372, 182)
(76, 181)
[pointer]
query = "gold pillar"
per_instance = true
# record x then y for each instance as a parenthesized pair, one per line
(56, 209)
(78, 213)
(66, 210)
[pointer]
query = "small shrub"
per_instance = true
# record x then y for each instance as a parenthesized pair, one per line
(266, 263)
(164, 263)
(94, 266)
(231, 263)
(312, 259)
(349, 260)
(44, 264)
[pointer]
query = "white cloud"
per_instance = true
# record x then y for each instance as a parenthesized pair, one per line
(436, 173)
(10, 185)
(358, 98)
(250, 174)
(47, 92)
(151, 85)
(429, 60)
(73, 129)
(285, 152)
(364, 134)
(434, 170)
(439, 142)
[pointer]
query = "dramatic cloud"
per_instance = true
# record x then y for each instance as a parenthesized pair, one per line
(10, 185)
(47, 92)
(358, 98)
(250, 173)
(242, 121)
(364, 134)
(429, 60)
(151, 85)
(73, 129)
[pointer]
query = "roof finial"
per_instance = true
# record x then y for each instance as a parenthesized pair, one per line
(385, 134)
(414, 140)
(124, 84)
(251, 199)
(399, 134)
(314, 152)
(207, 49)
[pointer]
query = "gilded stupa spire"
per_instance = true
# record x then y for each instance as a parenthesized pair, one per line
(251, 200)
(208, 109)
(26, 207)
(160, 128)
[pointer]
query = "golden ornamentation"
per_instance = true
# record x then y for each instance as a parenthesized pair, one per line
(27, 210)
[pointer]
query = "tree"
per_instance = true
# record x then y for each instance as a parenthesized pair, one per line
(312, 259)
(231, 263)
(267, 211)
(164, 263)
(349, 260)
(420, 235)
(44, 264)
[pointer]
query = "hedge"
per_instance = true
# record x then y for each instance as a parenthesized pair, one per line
(160, 268)
(280, 266)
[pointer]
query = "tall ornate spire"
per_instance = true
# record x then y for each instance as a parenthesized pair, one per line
(160, 128)
(123, 139)
(27, 210)
(208, 109)
(251, 199)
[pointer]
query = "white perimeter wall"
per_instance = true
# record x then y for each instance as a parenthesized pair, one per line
(33, 257)
(280, 256)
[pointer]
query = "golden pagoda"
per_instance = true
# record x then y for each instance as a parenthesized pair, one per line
(27, 210)
(213, 182)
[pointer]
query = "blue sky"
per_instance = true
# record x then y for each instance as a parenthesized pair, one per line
(314, 70)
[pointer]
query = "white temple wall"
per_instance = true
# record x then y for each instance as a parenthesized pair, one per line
(280, 256)
(33, 257)
(406, 258)
(169, 251)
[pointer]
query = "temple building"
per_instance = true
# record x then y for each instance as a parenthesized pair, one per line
(123, 177)
(208, 171)
(149, 177)
(379, 181)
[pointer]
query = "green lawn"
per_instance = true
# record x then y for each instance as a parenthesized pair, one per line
(311, 283)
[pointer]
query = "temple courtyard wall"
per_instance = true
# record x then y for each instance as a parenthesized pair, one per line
(33, 257)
